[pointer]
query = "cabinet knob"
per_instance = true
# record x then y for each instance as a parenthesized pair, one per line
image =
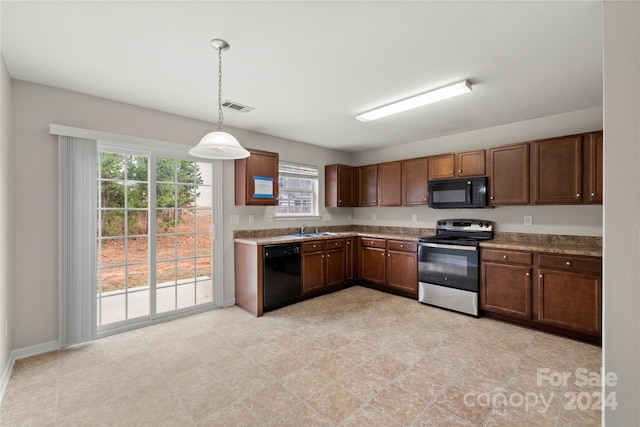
(402, 246)
(540, 276)
(348, 243)
(314, 246)
(593, 194)
(340, 201)
(388, 254)
(491, 197)
(459, 170)
(382, 254)
(328, 256)
(322, 256)
(504, 256)
(450, 171)
(577, 195)
(568, 262)
(527, 274)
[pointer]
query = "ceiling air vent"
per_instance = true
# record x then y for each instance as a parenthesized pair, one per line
(237, 107)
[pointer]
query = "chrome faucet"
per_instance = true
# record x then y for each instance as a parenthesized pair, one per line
(303, 228)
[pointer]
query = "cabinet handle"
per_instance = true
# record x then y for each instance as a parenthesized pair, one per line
(348, 243)
(388, 254)
(382, 254)
(491, 197)
(459, 170)
(504, 257)
(402, 246)
(322, 256)
(527, 274)
(328, 256)
(340, 201)
(540, 276)
(450, 171)
(568, 262)
(335, 244)
(314, 246)
(593, 194)
(577, 195)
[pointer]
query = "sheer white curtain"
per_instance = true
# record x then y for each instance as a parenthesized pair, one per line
(77, 189)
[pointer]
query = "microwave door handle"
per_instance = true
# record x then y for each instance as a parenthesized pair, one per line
(469, 192)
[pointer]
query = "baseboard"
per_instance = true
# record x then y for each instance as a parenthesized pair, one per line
(229, 302)
(21, 353)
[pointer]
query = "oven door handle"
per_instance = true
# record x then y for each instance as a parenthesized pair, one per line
(455, 247)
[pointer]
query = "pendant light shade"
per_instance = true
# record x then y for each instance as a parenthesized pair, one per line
(219, 144)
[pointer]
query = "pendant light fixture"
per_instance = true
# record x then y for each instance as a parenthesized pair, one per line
(219, 144)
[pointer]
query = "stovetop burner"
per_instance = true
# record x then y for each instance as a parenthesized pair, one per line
(466, 232)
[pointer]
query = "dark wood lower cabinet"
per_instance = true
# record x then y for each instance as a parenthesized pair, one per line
(557, 293)
(372, 265)
(323, 266)
(389, 265)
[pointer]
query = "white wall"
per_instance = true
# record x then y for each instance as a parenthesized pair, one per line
(6, 345)
(622, 208)
(34, 180)
(569, 220)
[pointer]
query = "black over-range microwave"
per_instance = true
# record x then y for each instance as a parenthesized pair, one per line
(458, 193)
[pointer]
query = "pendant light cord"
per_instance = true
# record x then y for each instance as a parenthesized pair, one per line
(220, 115)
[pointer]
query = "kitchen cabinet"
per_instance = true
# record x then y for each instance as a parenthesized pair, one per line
(339, 186)
(371, 260)
(367, 185)
(323, 265)
(568, 292)
(556, 166)
(593, 171)
(389, 265)
(508, 172)
(457, 165)
(248, 269)
(553, 292)
(389, 184)
(506, 278)
(402, 266)
(415, 181)
(261, 164)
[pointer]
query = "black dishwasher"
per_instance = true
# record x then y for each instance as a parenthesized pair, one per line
(281, 275)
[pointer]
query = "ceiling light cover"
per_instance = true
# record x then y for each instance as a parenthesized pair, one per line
(416, 101)
(219, 144)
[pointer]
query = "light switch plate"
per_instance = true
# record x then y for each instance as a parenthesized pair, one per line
(235, 219)
(414, 218)
(528, 220)
(252, 218)
(373, 217)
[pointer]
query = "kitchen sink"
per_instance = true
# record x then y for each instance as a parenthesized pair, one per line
(320, 233)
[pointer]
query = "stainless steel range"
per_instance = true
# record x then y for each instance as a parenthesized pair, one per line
(448, 264)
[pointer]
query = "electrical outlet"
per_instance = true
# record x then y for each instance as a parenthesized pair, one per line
(528, 220)
(235, 219)
(373, 217)
(252, 218)
(269, 218)
(414, 218)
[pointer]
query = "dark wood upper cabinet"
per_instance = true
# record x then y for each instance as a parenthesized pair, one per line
(367, 185)
(415, 181)
(593, 149)
(262, 164)
(508, 171)
(556, 166)
(457, 165)
(339, 186)
(390, 184)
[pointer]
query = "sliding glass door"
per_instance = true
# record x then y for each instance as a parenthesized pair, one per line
(155, 236)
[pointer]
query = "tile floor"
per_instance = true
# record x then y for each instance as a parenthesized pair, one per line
(353, 358)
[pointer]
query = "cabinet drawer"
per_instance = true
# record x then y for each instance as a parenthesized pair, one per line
(373, 243)
(501, 255)
(397, 245)
(570, 263)
(334, 243)
(313, 246)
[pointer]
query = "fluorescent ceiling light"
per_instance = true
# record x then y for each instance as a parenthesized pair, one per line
(417, 101)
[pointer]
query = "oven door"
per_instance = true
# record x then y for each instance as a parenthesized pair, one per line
(453, 266)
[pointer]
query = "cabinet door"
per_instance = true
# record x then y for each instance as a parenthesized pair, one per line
(372, 265)
(593, 150)
(471, 163)
(313, 272)
(509, 175)
(335, 266)
(506, 289)
(350, 260)
(569, 300)
(261, 164)
(402, 271)
(338, 186)
(557, 171)
(415, 181)
(442, 166)
(389, 184)
(367, 185)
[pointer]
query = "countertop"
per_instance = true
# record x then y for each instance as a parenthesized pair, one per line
(559, 244)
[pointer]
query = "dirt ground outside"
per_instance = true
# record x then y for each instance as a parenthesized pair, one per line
(171, 248)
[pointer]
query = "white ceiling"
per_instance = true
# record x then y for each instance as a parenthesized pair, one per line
(309, 67)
